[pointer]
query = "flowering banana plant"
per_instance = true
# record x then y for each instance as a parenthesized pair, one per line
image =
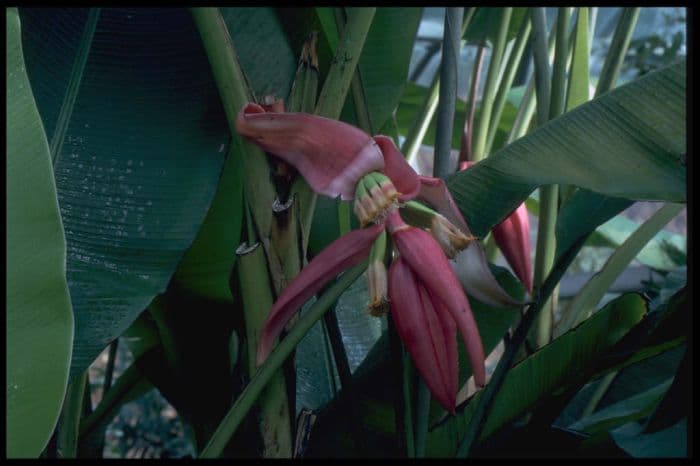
(424, 288)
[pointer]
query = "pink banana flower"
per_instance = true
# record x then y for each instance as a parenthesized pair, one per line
(512, 236)
(426, 298)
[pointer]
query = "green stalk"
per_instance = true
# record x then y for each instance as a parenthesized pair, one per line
(482, 127)
(443, 166)
(579, 76)
(337, 84)
(526, 109)
(539, 50)
(302, 98)
(465, 151)
(255, 292)
(599, 393)
(415, 135)
(558, 99)
(509, 75)
(549, 195)
(488, 394)
(70, 417)
(235, 94)
(265, 372)
(259, 194)
(618, 49)
(425, 115)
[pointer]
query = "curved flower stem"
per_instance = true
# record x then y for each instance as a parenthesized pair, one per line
(443, 166)
(257, 383)
(488, 395)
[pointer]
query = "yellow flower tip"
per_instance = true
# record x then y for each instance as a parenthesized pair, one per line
(450, 238)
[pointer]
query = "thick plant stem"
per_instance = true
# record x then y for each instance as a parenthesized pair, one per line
(618, 49)
(259, 194)
(443, 165)
(558, 99)
(415, 135)
(549, 195)
(337, 84)
(539, 50)
(482, 127)
(274, 421)
(67, 440)
(544, 258)
(488, 395)
(265, 373)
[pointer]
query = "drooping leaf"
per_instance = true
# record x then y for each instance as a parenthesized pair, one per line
(546, 370)
(667, 443)
(666, 251)
(627, 143)
(38, 314)
(633, 408)
(142, 150)
(586, 299)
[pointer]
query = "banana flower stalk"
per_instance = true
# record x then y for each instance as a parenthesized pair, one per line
(425, 297)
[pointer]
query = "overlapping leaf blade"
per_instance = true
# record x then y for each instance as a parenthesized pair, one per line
(38, 315)
(141, 156)
(627, 143)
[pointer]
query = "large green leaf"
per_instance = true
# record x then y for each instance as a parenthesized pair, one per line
(265, 54)
(627, 143)
(546, 370)
(142, 139)
(631, 409)
(39, 318)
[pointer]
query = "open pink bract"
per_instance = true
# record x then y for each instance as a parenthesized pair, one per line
(331, 155)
